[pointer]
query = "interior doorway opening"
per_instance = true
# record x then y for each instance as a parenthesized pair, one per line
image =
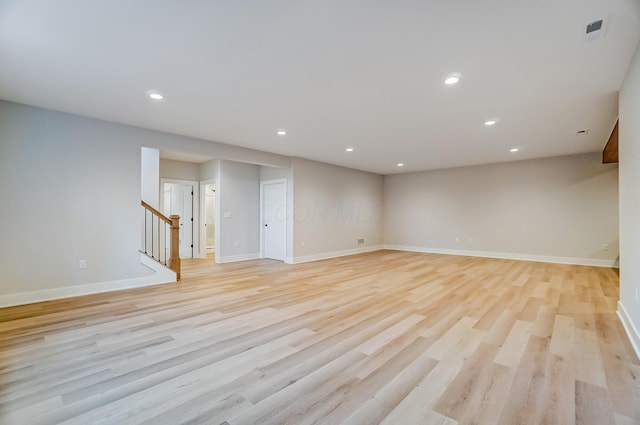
(209, 224)
(209, 217)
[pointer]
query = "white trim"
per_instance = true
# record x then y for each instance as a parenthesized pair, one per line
(162, 275)
(234, 258)
(333, 254)
(282, 181)
(508, 256)
(630, 329)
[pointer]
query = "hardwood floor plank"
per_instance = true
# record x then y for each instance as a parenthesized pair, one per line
(386, 337)
(515, 344)
(522, 404)
(455, 401)
(592, 405)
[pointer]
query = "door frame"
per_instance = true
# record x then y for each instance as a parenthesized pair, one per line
(195, 235)
(202, 251)
(264, 183)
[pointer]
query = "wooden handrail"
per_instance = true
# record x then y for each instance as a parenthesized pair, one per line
(174, 223)
(156, 212)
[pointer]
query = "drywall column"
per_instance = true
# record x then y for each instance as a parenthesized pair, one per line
(238, 195)
(150, 176)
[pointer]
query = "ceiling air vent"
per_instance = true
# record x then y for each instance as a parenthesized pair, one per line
(594, 26)
(595, 29)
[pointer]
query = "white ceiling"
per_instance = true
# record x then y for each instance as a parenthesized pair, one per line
(333, 73)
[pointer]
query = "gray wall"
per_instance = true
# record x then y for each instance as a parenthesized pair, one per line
(209, 170)
(179, 170)
(71, 189)
(333, 207)
(562, 207)
(72, 186)
(629, 150)
(238, 194)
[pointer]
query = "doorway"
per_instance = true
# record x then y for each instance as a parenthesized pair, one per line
(180, 197)
(209, 208)
(273, 219)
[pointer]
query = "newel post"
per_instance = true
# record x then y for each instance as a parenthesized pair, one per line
(174, 255)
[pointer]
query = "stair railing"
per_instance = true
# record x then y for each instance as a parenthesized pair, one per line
(161, 238)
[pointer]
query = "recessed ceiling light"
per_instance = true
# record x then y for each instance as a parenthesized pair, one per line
(514, 150)
(349, 149)
(489, 123)
(281, 132)
(400, 164)
(452, 79)
(156, 96)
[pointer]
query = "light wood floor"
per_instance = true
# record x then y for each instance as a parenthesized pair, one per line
(383, 338)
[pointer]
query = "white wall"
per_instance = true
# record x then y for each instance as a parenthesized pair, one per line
(333, 207)
(273, 173)
(179, 170)
(71, 190)
(629, 152)
(238, 196)
(557, 209)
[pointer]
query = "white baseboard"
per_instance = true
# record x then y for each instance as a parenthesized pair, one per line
(508, 256)
(234, 258)
(630, 329)
(333, 254)
(161, 275)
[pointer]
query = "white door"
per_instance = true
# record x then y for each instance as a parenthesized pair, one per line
(186, 222)
(178, 199)
(274, 220)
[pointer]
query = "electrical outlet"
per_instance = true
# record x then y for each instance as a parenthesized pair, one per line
(457, 239)
(82, 264)
(237, 243)
(605, 247)
(360, 241)
(302, 244)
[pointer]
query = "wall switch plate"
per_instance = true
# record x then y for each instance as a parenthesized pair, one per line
(82, 264)
(237, 243)
(227, 214)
